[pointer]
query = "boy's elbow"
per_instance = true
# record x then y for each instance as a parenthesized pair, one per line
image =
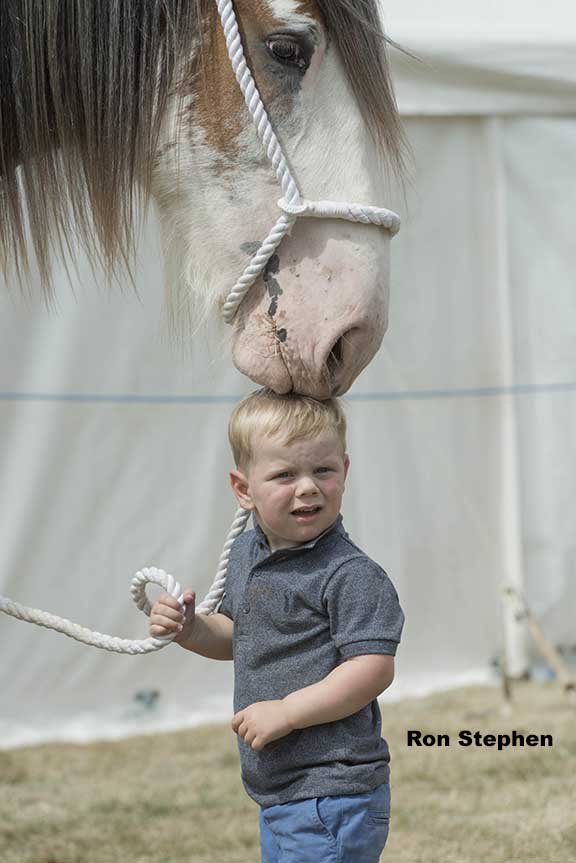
(389, 679)
(387, 673)
(379, 669)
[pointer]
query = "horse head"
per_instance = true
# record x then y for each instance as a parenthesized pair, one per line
(105, 105)
(317, 314)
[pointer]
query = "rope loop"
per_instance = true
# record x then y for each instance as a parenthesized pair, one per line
(152, 575)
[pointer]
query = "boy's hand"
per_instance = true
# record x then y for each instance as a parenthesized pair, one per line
(166, 616)
(261, 723)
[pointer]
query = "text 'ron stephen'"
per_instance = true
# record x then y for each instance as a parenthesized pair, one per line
(477, 738)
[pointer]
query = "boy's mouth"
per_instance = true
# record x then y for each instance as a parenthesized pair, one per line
(306, 513)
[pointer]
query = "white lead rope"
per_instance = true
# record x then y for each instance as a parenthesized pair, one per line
(138, 590)
(293, 206)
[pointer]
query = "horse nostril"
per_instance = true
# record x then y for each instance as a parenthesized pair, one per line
(343, 350)
(335, 357)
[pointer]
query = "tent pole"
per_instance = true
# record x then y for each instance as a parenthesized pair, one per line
(515, 633)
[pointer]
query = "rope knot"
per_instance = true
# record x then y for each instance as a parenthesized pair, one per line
(297, 208)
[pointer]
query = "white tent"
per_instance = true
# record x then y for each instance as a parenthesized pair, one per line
(500, 80)
(113, 452)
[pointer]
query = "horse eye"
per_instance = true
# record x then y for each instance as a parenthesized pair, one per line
(288, 51)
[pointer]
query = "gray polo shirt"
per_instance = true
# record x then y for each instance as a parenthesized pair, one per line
(298, 613)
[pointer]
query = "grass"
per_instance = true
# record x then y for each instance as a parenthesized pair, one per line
(178, 798)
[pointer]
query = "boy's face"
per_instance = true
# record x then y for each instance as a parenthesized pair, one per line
(282, 479)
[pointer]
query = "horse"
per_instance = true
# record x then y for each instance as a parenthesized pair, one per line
(108, 107)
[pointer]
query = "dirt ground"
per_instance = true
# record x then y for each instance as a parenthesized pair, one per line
(178, 798)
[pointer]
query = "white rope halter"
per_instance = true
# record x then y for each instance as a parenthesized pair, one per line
(292, 205)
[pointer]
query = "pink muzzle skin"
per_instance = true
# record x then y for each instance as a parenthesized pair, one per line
(313, 325)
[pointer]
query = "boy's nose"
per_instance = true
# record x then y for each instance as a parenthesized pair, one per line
(307, 486)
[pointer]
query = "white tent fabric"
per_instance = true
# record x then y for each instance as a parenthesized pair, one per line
(488, 58)
(113, 449)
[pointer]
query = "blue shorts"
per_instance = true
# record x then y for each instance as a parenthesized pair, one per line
(350, 828)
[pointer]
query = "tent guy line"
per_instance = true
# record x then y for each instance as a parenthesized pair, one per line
(400, 395)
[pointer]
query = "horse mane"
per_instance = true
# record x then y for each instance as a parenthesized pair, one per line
(356, 28)
(83, 91)
(84, 86)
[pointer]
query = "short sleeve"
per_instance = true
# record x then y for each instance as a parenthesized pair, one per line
(364, 610)
(226, 606)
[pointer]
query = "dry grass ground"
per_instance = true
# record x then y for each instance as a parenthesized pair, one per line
(177, 798)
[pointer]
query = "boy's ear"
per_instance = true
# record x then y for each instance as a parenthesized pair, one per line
(239, 485)
(346, 464)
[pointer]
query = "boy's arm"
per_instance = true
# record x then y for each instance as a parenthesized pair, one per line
(211, 636)
(372, 614)
(347, 689)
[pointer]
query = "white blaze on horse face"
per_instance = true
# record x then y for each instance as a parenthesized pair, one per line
(318, 314)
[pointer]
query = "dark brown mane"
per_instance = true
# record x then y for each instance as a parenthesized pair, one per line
(83, 86)
(83, 90)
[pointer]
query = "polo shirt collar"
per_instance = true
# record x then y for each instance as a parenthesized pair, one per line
(263, 540)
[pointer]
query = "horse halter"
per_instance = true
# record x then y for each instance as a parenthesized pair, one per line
(292, 203)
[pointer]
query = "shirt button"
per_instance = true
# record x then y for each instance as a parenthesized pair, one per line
(246, 609)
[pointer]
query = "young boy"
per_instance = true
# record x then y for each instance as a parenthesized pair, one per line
(312, 624)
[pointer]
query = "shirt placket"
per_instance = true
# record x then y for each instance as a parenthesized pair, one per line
(258, 571)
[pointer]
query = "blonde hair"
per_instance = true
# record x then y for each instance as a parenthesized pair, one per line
(264, 413)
